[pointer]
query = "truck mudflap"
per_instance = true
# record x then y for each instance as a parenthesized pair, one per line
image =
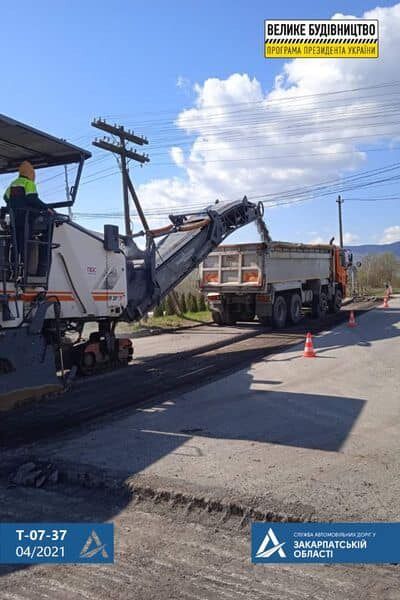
(27, 367)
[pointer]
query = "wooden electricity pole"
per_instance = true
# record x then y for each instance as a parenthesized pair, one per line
(340, 202)
(120, 149)
(67, 190)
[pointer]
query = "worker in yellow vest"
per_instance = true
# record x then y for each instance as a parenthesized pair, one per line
(20, 196)
(22, 192)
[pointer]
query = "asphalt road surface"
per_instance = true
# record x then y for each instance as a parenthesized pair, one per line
(161, 555)
(289, 437)
(163, 363)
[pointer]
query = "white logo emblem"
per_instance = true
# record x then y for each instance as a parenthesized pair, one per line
(94, 542)
(277, 547)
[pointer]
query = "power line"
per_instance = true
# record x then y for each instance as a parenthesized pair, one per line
(294, 98)
(265, 102)
(291, 196)
(331, 140)
(300, 129)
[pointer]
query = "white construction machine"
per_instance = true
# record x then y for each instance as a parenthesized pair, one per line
(66, 275)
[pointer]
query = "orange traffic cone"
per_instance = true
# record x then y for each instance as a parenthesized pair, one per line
(309, 351)
(385, 302)
(352, 320)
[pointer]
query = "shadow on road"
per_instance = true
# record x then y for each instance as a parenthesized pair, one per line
(245, 409)
(383, 324)
(161, 374)
(248, 409)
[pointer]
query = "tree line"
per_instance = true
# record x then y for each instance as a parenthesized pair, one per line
(378, 269)
(179, 304)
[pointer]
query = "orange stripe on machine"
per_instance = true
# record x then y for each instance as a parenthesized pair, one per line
(28, 296)
(104, 296)
(64, 296)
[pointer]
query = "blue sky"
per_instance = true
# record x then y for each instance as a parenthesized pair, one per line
(68, 62)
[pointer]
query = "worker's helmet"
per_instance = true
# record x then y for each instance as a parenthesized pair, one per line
(26, 170)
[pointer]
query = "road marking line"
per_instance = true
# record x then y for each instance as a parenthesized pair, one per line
(195, 371)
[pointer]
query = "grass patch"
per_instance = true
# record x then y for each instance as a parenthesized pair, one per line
(167, 322)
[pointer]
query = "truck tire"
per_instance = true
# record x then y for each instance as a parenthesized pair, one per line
(223, 318)
(228, 317)
(279, 312)
(336, 303)
(217, 317)
(324, 303)
(319, 306)
(264, 320)
(295, 314)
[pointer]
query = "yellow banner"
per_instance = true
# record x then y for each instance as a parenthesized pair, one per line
(321, 50)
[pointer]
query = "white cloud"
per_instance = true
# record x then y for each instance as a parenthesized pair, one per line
(391, 234)
(248, 140)
(177, 155)
(182, 82)
(350, 238)
(318, 240)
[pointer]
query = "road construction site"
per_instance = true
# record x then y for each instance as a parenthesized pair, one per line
(209, 429)
(202, 431)
(203, 353)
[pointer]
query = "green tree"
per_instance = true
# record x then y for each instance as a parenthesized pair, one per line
(169, 306)
(190, 302)
(378, 269)
(158, 311)
(202, 303)
(195, 304)
(183, 303)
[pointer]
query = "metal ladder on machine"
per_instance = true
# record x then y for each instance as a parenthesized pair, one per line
(9, 270)
(39, 242)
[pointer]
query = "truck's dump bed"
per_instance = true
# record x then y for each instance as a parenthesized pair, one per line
(239, 265)
(251, 267)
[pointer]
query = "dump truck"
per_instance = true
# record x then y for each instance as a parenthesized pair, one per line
(100, 277)
(274, 281)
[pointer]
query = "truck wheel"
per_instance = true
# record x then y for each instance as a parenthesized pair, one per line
(336, 304)
(229, 319)
(224, 318)
(217, 317)
(324, 303)
(279, 312)
(319, 306)
(295, 309)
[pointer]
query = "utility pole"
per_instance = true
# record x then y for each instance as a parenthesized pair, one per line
(124, 171)
(67, 190)
(340, 202)
(124, 153)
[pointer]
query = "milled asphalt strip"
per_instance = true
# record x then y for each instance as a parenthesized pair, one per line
(135, 385)
(156, 361)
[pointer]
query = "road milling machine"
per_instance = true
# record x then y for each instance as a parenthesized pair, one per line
(66, 275)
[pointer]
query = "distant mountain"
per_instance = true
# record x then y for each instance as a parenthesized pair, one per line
(365, 249)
